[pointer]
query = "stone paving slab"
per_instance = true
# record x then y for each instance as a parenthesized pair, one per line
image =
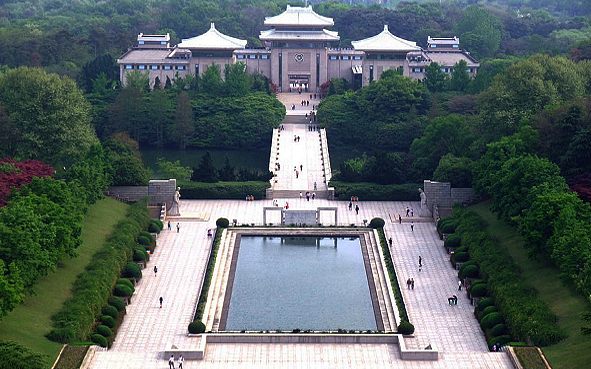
(181, 259)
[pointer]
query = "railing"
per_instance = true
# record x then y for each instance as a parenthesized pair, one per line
(324, 156)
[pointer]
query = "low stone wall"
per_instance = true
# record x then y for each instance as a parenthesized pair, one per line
(303, 338)
(159, 192)
(444, 196)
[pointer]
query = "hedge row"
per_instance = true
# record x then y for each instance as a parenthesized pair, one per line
(404, 327)
(376, 192)
(208, 275)
(223, 190)
(91, 290)
(528, 317)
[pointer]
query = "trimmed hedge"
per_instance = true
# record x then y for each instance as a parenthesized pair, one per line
(110, 311)
(99, 340)
(143, 240)
(453, 241)
(223, 190)
(155, 225)
(75, 320)
(498, 330)
(122, 290)
(511, 295)
(406, 328)
(393, 278)
(478, 290)
(132, 270)
(108, 321)
(126, 282)
(489, 309)
(490, 320)
(485, 302)
(148, 235)
(104, 331)
(377, 223)
(116, 302)
(471, 271)
(461, 256)
(376, 192)
(196, 327)
(448, 228)
(208, 274)
(140, 255)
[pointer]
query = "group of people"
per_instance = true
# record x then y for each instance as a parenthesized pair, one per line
(178, 227)
(180, 361)
(452, 300)
(410, 283)
(313, 128)
(249, 198)
(410, 212)
(308, 195)
(305, 103)
(356, 207)
(296, 138)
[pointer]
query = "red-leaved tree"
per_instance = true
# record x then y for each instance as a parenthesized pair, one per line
(14, 174)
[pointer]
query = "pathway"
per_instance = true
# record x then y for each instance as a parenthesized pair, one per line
(181, 259)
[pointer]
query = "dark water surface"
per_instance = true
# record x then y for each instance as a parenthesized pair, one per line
(302, 282)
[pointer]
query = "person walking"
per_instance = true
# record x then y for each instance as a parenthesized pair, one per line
(412, 226)
(408, 284)
(357, 209)
(171, 362)
(300, 195)
(412, 283)
(399, 219)
(460, 285)
(315, 186)
(412, 212)
(155, 270)
(178, 227)
(350, 205)
(407, 211)
(181, 360)
(390, 241)
(161, 299)
(169, 225)
(420, 263)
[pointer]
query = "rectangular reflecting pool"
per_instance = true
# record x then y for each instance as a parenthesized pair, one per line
(299, 282)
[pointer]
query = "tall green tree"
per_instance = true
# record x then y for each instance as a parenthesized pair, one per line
(460, 79)
(184, 125)
(480, 31)
(50, 115)
(435, 79)
(206, 171)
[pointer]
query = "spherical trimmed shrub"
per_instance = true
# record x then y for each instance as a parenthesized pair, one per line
(448, 227)
(142, 240)
(491, 320)
(499, 341)
(478, 290)
(148, 235)
(222, 222)
(126, 282)
(377, 223)
(155, 226)
(122, 290)
(498, 330)
(108, 321)
(139, 255)
(470, 271)
(485, 302)
(461, 256)
(406, 327)
(99, 340)
(445, 220)
(453, 241)
(196, 327)
(110, 311)
(462, 249)
(132, 270)
(117, 303)
(103, 330)
(489, 309)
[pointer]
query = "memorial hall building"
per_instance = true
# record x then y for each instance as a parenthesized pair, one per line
(299, 52)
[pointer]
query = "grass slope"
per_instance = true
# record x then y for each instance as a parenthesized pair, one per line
(29, 322)
(574, 352)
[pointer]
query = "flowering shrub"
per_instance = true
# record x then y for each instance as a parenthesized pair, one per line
(18, 173)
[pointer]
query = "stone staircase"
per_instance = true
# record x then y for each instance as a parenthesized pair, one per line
(296, 119)
(295, 194)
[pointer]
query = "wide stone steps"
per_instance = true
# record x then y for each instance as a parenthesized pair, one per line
(296, 119)
(295, 194)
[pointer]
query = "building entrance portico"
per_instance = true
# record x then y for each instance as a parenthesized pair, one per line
(299, 82)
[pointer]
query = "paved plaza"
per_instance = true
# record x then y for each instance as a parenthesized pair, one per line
(182, 257)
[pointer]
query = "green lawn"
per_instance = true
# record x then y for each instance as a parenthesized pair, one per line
(29, 322)
(575, 351)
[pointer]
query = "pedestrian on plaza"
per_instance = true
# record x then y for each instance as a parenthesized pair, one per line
(169, 225)
(315, 186)
(181, 360)
(390, 241)
(300, 195)
(171, 362)
(350, 205)
(301, 167)
(155, 270)
(412, 226)
(178, 227)
(420, 261)
(313, 195)
(308, 195)
(399, 219)
(408, 284)
(412, 212)
(407, 211)
(297, 174)
(209, 233)
(412, 283)
(161, 299)
(460, 285)
(357, 209)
